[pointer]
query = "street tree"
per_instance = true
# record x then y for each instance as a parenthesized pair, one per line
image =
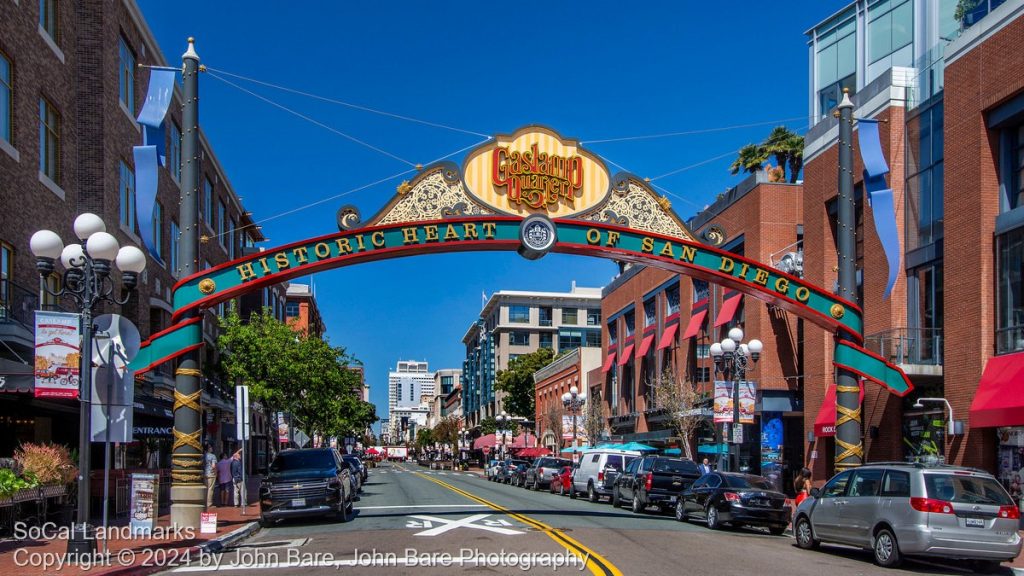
(551, 419)
(681, 403)
(517, 381)
(593, 421)
(446, 433)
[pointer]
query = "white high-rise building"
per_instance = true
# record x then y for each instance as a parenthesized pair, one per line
(407, 385)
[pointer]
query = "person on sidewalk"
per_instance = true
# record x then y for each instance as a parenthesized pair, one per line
(236, 478)
(209, 473)
(224, 481)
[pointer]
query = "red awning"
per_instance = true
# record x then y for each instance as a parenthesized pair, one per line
(608, 362)
(645, 345)
(667, 336)
(696, 321)
(825, 423)
(728, 310)
(533, 452)
(627, 355)
(487, 441)
(999, 400)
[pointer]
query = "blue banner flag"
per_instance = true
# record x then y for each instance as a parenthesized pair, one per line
(151, 154)
(880, 197)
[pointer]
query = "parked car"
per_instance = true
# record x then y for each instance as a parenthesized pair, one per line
(517, 475)
(497, 472)
(491, 469)
(560, 482)
(597, 471)
(357, 477)
(361, 468)
(540, 473)
(508, 470)
(307, 482)
(654, 481)
(733, 498)
(901, 509)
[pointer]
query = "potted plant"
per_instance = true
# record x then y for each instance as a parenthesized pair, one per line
(53, 468)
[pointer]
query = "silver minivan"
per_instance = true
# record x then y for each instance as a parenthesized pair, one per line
(906, 509)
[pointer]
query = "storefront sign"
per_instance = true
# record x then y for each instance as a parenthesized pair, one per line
(58, 356)
(145, 490)
(150, 431)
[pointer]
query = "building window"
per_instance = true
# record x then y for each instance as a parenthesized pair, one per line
(53, 284)
(6, 98)
(158, 224)
(630, 321)
(519, 314)
(208, 201)
(49, 140)
(1010, 294)
(48, 18)
(890, 27)
(701, 291)
(925, 299)
(570, 316)
(613, 332)
(593, 338)
(546, 340)
(221, 225)
(703, 351)
(593, 317)
(1015, 189)
(544, 315)
(232, 240)
(519, 338)
(127, 189)
(650, 313)
(291, 309)
(569, 340)
(672, 300)
(836, 60)
(925, 185)
(174, 153)
(175, 242)
(126, 76)
(6, 274)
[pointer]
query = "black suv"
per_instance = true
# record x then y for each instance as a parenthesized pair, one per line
(309, 482)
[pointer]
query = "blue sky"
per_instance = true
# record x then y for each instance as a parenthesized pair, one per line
(591, 70)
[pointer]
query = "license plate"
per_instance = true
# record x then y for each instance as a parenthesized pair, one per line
(298, 502)
(759, 502)
(974, 522)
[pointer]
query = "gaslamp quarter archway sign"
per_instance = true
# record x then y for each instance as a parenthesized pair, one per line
(533, 192)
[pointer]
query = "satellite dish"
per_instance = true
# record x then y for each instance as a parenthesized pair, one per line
(119, 333)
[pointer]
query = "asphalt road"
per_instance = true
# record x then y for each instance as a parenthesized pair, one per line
(411, 520)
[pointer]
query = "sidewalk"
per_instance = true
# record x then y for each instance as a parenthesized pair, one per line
(135, 556)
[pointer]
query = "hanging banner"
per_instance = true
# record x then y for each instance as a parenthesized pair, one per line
(880, 197)
(242, 412)
(748, 402)
(723, 401)
(58, 354)
(151, 154)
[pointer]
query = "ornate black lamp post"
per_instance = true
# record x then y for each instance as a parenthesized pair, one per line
(86, 281)
(573, 401)
(503, 421)
(733, 360)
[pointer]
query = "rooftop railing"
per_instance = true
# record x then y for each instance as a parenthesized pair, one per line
(922, 346)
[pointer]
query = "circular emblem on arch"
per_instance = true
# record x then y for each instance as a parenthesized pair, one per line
(207, 286)
(837, 311)
(537, 236)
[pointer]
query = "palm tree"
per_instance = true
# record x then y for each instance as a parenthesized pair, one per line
(777, 144)
(750, 159)
(795, 146)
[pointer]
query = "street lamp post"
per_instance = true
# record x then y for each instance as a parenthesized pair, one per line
(733, 360)
(86, 280)
(573, 401)
(503, 421)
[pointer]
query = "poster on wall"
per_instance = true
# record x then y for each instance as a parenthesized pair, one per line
(748, 402)
(145, 490)
(57, 359)
(771, 448)
(723, 401)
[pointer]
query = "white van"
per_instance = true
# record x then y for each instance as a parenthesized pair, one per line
(597, 471)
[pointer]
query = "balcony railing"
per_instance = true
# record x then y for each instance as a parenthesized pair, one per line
(19, 304)
(975, 10)
(922, 346)
(1010, 339)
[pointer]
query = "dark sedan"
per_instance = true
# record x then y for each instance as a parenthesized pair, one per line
(517, 476)
(722, 498)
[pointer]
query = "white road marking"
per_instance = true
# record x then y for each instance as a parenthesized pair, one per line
(423, 506)
(467, 522)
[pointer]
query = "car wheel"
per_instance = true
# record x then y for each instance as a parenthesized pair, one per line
(776, 530)
(592, 494)
(804, 535)
(637, 507)
(342, 514)
(264, 523)
(713, 520)
(887, 550)
(616, 499)
(680, 511)
(561, 489)
(572, 491)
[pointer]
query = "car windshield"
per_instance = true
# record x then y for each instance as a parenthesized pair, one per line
(966, 489)
(302, 460)
(673, 466)
(745, 481)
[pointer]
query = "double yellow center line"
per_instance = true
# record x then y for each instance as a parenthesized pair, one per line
(595, 562)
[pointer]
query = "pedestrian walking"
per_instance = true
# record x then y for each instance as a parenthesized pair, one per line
(209, 473)
(224, 482)
(802, 485)
(236, 478)
(705, 467)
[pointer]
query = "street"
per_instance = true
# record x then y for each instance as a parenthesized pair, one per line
(409, 518)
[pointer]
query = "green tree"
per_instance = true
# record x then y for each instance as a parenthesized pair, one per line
(750, 159)
(425, 438)
(517, 381)
(446, 433)
(776, 144)
(795, 143)
(488, 426)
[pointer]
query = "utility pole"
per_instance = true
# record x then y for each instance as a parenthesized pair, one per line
(188, 493)
(849, 444)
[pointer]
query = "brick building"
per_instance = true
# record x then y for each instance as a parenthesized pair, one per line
(302, 311)
(952, 110)
(70, 88)
(553, 420)
(659, 324)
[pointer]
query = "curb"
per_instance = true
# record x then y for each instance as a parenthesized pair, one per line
(210, 546)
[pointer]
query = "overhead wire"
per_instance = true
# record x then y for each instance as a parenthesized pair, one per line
(347, 104)
(691, 132)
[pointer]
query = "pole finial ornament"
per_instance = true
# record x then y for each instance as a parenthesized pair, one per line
(191, 53)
